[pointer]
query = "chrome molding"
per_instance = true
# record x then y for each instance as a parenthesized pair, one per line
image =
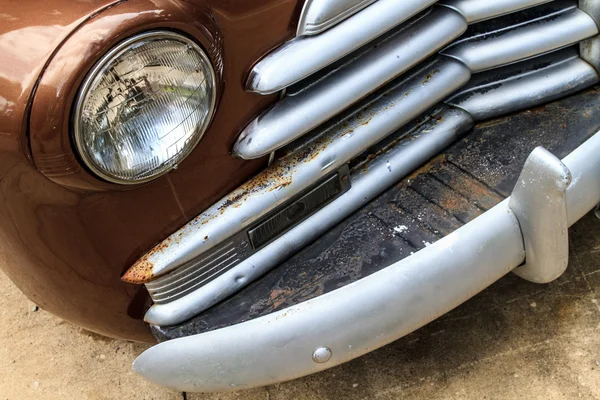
(319, 15)
(226, 256)
(389, 304)
(524, 41)
(287, 120)
(543, 219)
(477, 11)
(288, 176)
(402, 158)
(199, 272)
(306, 55)
(527, 89)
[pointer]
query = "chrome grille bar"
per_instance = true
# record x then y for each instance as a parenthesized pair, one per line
(527, 89)
(590, 49)
(536, 37)
(477, 11)
(306, 55)
(294, 116)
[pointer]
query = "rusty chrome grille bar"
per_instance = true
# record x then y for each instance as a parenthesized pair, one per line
(538, 36)
(287, 119)
(520, 89)
(229, 254)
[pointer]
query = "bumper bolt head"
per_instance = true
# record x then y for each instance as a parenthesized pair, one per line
(322, 355)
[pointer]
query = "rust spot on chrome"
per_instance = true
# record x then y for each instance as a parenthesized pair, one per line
(143, 269)
(141, 272)
(430, 76)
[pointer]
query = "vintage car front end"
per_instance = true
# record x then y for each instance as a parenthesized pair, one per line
(287, 185)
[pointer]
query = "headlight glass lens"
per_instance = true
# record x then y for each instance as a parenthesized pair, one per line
(144, 107)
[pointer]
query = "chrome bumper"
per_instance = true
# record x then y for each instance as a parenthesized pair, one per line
(361, 317)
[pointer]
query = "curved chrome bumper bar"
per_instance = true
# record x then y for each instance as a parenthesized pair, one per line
(370, 313)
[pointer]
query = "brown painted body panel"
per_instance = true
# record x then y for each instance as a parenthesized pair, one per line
(65, 236)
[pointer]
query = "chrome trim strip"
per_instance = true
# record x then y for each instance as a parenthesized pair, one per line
(388, 304)
(526, 90)
(297, 115)
(319, 15)
(477, 11)
(288, 176)
(524, 41)
(543, 219)
(303, 56)
(389, 167)
(217, 261)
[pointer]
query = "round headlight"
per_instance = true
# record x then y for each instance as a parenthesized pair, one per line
(144, 107)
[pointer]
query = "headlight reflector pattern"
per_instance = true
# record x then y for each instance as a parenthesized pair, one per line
(144, 107)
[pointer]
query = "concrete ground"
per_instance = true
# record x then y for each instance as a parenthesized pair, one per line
(515, 340)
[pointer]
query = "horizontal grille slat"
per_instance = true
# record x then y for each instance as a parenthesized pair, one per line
(197, 273)
(191, 285)
(565, 73)
(295, 116)
(186, 273)
(288, 119)
(508, 45)
(477, 11)
(306, 55)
